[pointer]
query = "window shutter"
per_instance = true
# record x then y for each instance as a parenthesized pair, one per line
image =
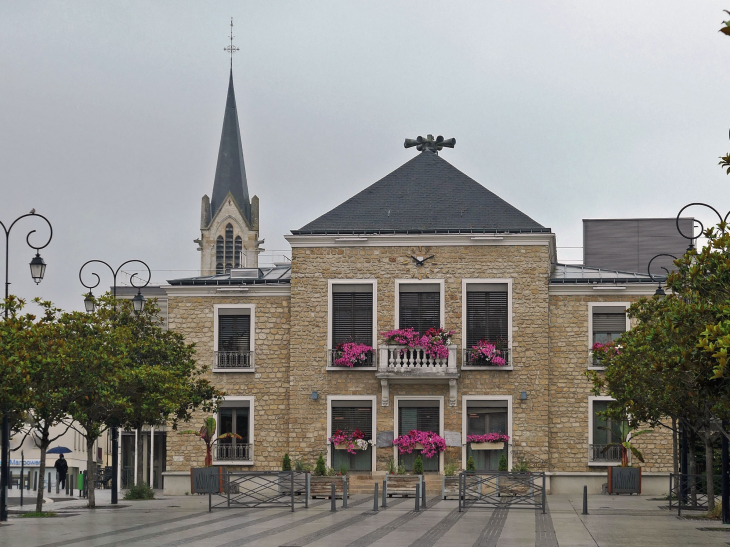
(234, 333)
(419, 310)
(352, 318)
(609, 322)
(349, 418)
(486, 317)
(420, 418)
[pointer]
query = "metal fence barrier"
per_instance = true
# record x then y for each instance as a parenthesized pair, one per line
(249, 489)
(501, 489)
(689, 492)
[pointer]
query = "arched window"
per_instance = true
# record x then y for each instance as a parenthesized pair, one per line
(237, 248)
(219, 255)
(229, 247)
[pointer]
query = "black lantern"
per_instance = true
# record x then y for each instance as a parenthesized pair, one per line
(138, 302)
(37, 268)
(660, 292)
(89, 303)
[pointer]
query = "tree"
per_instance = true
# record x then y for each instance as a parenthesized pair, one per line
(286, 463)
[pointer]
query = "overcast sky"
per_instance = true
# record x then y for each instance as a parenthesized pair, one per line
(111, 113)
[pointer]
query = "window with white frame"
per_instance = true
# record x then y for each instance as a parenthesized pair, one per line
(235, 431)
(486, 417)
(351, 321)
(487, 335)
(419, 306)
(608, 323)
(420, 415)
(605, 433)
(353, 419)
(234, 338)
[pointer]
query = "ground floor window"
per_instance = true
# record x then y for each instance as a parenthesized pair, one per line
(144, 455)
(486, 417)
(604, 433)
(421, 416)
(350, 416)
(234, 441)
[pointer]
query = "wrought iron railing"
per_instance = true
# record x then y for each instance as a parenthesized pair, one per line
(472, 358)
(233, 359)
(334, 354)
(233, 452)
(599, 453)
(689, 492)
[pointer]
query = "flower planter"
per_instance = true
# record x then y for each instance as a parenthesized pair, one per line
(516, 484)
(418, 446)
(321, 487)
(402, 485)
(487, 446)
(450, 487)
(624, 480)
(344, 447)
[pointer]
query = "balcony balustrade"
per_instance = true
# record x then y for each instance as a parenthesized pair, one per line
(233, 360)
(596, 453)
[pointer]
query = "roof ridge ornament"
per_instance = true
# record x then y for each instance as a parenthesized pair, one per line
(429, 143)
(231, 49)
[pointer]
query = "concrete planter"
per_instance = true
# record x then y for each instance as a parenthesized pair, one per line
(487, 446)
(624, 480)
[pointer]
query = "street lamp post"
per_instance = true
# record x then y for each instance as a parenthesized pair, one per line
(37, 271)
(89, 305)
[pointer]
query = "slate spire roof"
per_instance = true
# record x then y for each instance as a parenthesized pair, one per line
(426, 194)
(230, 172)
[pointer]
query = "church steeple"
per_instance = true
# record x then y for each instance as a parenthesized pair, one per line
(230, 171)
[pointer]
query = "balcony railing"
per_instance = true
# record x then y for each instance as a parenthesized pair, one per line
(334, 354)
(414, 360)
(596, 453)
(233, 359)
(233, 452)
(472, 358)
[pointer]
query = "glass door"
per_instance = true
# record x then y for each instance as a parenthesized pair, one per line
(421, 418)
(483, 420)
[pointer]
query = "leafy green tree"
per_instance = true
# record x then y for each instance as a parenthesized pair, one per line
(320, 469)
(470, 464)
(418, 465)
(286, 463)
(502, 465)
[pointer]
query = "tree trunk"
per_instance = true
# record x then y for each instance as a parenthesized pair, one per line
(692, 483)
(90, 470)
(675, 446)
(709, 460)
(41, 470)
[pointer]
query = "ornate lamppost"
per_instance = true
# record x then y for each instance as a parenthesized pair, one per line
(37, 271)
(138, 304)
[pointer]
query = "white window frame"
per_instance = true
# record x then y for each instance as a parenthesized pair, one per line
(373, 399)
(465, 399)
(591, 400)
(374, 283)
(592, 305)
(494, 280)
(398, 398)
(442, 300)
(236, 399)
(252, 311)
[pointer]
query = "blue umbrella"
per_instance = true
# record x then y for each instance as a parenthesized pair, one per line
(59, 450)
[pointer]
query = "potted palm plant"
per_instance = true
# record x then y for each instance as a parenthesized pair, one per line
(625, 479)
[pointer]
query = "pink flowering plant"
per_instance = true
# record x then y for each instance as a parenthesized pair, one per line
(435, 342)
(351, 441)
(485, 352)
(432, 443)
(604, 350)
(352, 353)
(488, 438)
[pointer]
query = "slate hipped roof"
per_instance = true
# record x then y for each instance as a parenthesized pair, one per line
(230, 172)
(426, 194)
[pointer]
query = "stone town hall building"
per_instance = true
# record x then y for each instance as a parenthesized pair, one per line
(425, 246)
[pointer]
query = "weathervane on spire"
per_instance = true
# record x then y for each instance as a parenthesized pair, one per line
(231, 49)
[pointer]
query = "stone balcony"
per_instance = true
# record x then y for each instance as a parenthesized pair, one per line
(404, 365)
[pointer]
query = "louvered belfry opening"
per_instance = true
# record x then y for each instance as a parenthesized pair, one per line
(609, 322)
(349, 416)
(421, 418)
(419, 306)
(219, 255)
(486, 314)
(229, 247)
(352, 316)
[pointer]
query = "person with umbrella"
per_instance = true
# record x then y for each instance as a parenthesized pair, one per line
(61, 468)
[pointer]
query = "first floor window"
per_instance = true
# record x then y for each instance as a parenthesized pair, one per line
(419, 306)
(486, 417)
(234, 443)
(421, 418)
(234, 338)
(609, 322)
(348, 417)
(606, 432)
(486, 314)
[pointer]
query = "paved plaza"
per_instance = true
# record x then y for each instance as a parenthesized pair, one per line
(184, 520)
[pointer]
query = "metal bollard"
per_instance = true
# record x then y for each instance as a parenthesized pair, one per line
(35, 480)
(57, 485)
(418, 497)
(585, 500)
(423, 493)
(385, 494)
(344, 492)
(332, 497)
(375, 498)
(49, 482)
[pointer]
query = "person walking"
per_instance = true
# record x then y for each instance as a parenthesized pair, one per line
(61, 468)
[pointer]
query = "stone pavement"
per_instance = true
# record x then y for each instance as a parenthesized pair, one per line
(173, 521)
